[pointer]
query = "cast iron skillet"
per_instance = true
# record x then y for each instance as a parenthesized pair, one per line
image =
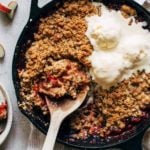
(130, 140)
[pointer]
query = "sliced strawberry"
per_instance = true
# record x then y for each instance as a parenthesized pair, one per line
(4, 9)
(53, 80)
(3, 114)
(3, 110)
(3, 105)
(36, 88)
(49, 77)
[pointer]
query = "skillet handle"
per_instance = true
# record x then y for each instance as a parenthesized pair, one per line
(135, 143)
(34, 10)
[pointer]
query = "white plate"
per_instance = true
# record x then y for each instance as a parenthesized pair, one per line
(5, 96)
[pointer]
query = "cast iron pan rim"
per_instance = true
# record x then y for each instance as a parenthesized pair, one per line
(82, 147)
(40, 128)
(78, 146)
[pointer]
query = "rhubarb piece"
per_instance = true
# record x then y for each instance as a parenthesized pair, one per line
(4, 9)
(13, 6)
(2, 52)
(3, 110)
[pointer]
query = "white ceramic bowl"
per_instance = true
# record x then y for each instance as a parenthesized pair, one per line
(4, 134)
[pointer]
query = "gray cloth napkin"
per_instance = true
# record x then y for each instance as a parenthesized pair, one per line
(146, 140)
(36, 139)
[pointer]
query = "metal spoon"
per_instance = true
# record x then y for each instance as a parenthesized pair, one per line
(58, 112)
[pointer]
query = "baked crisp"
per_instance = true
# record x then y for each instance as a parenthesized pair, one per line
(57, 65)
(60, 37)
(115, 110)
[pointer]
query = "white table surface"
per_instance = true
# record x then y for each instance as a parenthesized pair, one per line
(9, 33)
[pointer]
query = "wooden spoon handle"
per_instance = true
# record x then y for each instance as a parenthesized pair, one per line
(52, 133)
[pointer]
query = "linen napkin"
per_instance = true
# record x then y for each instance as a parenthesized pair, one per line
(36, 138)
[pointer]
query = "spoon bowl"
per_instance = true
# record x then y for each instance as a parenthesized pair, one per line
(5, 126)
(58, 113)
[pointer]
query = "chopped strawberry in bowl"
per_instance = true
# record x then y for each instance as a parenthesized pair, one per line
(6, 114)
(3, 110)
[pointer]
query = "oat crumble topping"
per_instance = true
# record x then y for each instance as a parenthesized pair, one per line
(60, 45)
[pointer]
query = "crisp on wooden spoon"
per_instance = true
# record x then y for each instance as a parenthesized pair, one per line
(58, 112)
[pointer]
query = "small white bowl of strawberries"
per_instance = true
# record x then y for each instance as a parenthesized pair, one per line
(6, 114)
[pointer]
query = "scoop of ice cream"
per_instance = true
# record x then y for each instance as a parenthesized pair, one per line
(107, 69)
(119, 49)
(105, 33)
(110, 67)
(136, 51)
(106, 37)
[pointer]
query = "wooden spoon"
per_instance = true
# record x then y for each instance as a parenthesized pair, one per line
(58, 112)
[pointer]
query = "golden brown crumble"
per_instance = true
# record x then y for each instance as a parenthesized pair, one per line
(128, 11)
(111, 108)
(60, 35)
(60, 40)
